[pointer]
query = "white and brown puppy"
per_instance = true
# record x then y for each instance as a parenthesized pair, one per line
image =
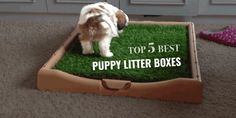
(100, 22)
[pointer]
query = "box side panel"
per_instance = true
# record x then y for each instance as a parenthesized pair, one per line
(193, 53)
(55, 80)
(180, 89)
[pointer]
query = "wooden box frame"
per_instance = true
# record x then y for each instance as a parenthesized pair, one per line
(179, 89)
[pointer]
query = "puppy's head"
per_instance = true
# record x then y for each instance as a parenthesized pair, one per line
(122, 19)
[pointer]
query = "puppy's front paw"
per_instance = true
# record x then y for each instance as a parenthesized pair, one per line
(108, 54)
(86, 52)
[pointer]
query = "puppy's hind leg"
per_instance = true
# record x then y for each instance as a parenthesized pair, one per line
(104, 46)
(87, 47)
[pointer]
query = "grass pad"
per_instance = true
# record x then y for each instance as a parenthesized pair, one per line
(135, 35)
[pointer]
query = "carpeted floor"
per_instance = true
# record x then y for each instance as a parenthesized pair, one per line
(26, 46)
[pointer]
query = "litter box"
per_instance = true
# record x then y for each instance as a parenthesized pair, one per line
(182, 82)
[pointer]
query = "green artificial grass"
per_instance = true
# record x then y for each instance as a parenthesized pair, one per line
(135, 35)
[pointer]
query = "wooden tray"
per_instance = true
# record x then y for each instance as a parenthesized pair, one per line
(179, 89)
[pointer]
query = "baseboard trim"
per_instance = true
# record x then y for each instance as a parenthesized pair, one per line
(74, 18)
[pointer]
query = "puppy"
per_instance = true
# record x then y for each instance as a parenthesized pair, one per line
(100, 22)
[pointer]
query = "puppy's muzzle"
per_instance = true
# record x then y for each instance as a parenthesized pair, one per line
(120, 26)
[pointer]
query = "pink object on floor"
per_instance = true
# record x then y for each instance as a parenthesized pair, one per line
(226, 37)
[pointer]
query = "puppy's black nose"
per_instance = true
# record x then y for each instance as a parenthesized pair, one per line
(120, 27)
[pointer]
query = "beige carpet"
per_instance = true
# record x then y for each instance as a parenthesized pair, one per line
(25, 46)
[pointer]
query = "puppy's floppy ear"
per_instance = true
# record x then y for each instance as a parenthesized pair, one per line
(121, 19)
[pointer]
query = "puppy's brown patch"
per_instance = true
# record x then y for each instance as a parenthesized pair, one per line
(92, 29)
(121, 19)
